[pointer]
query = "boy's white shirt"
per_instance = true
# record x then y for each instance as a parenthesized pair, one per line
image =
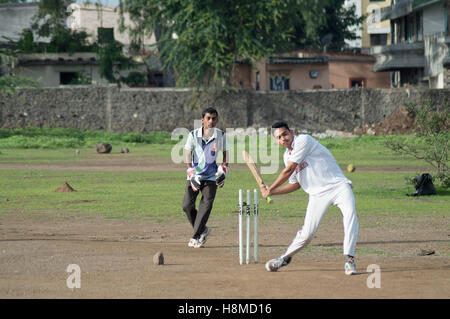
(317, 170)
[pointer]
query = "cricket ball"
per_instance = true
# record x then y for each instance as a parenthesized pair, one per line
(351, 168)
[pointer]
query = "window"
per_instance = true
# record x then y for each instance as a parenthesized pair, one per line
(448, 21)
(410, 28)
(105, 35)
(157, 79)
(378, 39)
(258, 80)
(419, 23)
(66, 78)
(279, 81)
(75, 78)
(356, 83)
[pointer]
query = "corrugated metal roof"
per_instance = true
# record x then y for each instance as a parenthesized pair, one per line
(318, 59)
(298, 60)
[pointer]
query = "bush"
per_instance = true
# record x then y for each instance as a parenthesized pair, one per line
(429, 141)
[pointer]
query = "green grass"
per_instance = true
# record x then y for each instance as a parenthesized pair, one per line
(157, 195)
(57, 138)
(58, 144)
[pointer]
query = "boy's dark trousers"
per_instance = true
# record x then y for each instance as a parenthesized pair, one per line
(199, 218)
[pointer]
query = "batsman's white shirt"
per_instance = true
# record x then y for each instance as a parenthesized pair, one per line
(317, 170)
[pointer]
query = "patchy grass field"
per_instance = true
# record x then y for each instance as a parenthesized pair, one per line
(128, 206)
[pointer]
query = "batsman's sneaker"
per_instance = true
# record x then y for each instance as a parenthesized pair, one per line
(204, 236)
(350, 268)
(193, 242)
(277, 263)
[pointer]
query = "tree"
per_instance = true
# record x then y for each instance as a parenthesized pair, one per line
(8, 81)
(429, 141)
(51, 21)
(203, 40)
(51, 17)
(317, 20)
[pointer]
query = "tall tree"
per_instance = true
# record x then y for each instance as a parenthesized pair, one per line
(325, 21)
(203, 40)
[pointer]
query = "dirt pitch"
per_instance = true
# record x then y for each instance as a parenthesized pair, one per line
(115, 258)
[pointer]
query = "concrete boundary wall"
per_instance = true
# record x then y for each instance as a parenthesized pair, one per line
(144, 110)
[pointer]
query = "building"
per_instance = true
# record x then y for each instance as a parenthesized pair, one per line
(373, 31)
(94, 19)
(419, 51)
(15, 17)
(54, 69)
(302, 70)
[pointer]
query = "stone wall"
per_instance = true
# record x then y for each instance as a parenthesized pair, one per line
(144, 110)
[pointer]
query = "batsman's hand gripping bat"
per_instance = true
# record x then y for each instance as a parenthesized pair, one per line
(252, 166)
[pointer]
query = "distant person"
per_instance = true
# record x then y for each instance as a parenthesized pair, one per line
(203, 174)
(309, 165)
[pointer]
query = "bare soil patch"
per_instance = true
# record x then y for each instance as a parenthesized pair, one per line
(115, 258)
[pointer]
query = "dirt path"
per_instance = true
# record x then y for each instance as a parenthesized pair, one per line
(115, 259)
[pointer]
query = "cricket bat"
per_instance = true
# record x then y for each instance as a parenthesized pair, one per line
(252, 166)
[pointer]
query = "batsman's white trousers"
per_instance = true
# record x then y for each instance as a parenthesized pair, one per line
(342, 197)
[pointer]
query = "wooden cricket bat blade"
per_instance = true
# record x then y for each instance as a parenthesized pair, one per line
(252, 166)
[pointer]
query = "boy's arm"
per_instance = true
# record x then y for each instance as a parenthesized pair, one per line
(283, 177)
(286, 189)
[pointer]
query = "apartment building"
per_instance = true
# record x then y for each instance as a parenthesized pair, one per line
(419, 51)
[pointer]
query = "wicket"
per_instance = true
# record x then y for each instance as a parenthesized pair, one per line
(248, 206)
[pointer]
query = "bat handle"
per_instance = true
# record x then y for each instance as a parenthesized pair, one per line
(269, 200)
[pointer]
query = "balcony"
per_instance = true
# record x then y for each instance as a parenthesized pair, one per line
(398, 56)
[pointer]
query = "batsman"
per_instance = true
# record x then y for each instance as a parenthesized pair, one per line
(203, 174)
(309, 165)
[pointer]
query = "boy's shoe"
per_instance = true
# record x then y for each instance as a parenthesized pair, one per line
(350, 268)
(204, 236)
(193, 242)
(277, 263)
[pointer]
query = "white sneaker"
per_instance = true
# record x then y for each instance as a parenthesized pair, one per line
(204, 235)
(277, 263)
(193, 242)
(350, 268)
(198, 244)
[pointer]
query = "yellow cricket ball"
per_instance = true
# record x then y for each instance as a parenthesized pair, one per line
(351, 168)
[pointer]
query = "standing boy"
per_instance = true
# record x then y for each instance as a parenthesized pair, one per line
(311, 166)
(203, 174)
